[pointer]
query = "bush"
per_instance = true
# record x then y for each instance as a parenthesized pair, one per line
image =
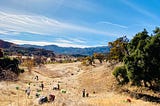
(10, 64)
(121, 74)
(84, 62)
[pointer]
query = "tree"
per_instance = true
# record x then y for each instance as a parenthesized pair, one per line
(157, 30)
(7, 63)
(98, 56)
(135, 61)
(89, 59)
(142, 63)
(153, 56)
(118, 49)
(29, 63)
(38, 60)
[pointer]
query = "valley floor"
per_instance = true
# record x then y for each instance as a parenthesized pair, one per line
(73, 78)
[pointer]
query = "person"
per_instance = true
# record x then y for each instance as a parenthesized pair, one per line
(42, 86)
(36, 77)
(37, 95)
(28, 91)
(51, 97)
(83, 93)
(58, 86)
(87, 94)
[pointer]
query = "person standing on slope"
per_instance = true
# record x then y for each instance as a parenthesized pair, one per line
(83, 93)
(42, 85)
(28, 91)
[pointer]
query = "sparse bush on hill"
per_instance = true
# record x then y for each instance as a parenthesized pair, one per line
(89, 60)
(84, 63)
(99, 56)
(29, 63)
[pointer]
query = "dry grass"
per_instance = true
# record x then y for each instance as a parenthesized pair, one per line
(73, 78)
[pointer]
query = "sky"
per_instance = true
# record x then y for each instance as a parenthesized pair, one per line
(75, 23)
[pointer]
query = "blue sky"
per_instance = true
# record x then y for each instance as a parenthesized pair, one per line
(75, 23)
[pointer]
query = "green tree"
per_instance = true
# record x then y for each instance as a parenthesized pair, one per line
(10, 64)
(153, 56)
(135, 60)
(121, 74)
(157, 30)
(118, 49)
(142, 62)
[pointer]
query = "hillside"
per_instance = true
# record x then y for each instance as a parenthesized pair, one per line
(6, 45)
(73, 78)
(72, 50)
(13, 49)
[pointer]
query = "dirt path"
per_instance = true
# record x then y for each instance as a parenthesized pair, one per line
(72, 78)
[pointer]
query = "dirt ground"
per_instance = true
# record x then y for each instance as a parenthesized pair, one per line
(73, 78)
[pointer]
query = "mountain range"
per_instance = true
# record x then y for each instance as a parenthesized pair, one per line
(14, 49)
(55, 49)
(72, 50)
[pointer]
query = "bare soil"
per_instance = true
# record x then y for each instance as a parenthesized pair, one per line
(73, 78)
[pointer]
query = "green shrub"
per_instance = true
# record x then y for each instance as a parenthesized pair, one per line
(121, 74)
(7, 63)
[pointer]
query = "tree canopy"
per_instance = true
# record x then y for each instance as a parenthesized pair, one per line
(142, 59)
(10, 64)
(118, 49)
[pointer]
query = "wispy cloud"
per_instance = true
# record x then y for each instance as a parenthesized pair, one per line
(82, 5)
(41, 43)
(110, 23)
(77, 40)
(63, 41)
(139, 9)
(3, 32)
(41, 25)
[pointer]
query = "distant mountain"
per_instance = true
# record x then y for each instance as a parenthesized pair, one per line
(72, 50)
(13, 49)
(42, 50)
(5, 44)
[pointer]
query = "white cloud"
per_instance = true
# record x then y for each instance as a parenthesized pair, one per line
(82, 5)
(41, 43)
(63, 41)
(117, 25)
(77, 40)
(41, 25)
(3, 32)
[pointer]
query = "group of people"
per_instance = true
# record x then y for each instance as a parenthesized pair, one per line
(28, 90)
(84, 93)
(57, 87)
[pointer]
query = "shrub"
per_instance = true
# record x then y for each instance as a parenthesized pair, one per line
(10, 64)
(121, 74)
